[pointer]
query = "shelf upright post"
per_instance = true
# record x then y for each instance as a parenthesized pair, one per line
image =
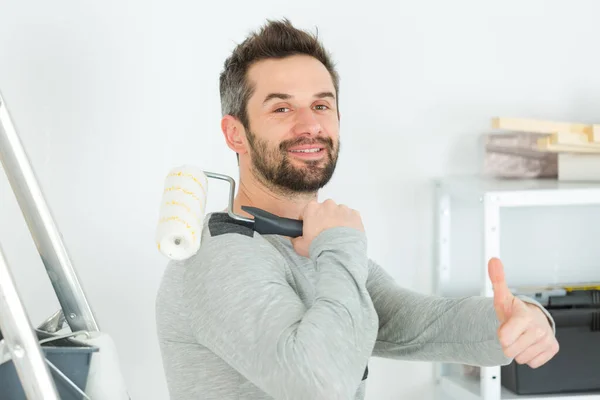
(442, 259)
(490, 376)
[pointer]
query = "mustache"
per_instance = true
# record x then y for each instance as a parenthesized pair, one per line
(285, 145)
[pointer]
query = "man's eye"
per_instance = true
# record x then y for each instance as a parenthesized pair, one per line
(281, 109)
(322, 107)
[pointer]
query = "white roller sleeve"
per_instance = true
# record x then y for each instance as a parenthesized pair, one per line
(182, 212)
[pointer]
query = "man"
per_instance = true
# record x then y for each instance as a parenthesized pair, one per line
(255, 316)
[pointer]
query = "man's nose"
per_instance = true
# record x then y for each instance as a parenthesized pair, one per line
(307, 122)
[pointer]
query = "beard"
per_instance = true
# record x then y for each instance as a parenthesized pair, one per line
(273, 166)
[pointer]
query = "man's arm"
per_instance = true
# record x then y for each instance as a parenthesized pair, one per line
(242, 307)
(415, 326)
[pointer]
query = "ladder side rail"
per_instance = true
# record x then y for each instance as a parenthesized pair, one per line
(43, 228)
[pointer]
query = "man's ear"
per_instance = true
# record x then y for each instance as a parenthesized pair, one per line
(234, 134)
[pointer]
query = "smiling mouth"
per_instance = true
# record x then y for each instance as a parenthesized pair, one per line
(314, 150)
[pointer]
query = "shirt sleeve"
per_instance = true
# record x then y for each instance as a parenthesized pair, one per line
(242, 307)
(419, 327)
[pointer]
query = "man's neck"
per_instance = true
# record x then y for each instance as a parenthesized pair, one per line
(253, 193)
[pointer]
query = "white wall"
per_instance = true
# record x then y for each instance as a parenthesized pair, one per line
(107, 96)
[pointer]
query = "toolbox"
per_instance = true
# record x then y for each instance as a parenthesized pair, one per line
(576, 366)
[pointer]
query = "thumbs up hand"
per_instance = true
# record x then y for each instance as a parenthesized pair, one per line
(525, 332)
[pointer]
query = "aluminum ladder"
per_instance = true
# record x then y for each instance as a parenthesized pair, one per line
(32, 368)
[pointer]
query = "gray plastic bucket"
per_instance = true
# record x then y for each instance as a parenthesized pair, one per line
(70, 357)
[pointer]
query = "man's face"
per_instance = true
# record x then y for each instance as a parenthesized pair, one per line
(293, 135)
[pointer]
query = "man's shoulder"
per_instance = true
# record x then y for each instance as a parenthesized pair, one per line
(224, 235)
(228, 247)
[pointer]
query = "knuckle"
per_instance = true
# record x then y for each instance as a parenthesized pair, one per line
(555, 347)
(506, 341)
(502, 337)
(540, 333)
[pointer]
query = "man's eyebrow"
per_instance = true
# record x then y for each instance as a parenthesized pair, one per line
(281, 96)
(284, 96)
(322, 95)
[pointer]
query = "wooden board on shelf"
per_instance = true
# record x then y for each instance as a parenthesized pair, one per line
(596, 133)
(551, 145)
(590, 131)
(570, 138)
(559, 137)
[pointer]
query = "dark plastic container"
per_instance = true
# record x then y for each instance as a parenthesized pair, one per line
(576, 367)
(72, 358)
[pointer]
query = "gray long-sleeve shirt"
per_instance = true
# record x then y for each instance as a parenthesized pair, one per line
(249, 318)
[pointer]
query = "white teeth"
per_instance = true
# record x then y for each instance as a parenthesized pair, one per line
(305, 151)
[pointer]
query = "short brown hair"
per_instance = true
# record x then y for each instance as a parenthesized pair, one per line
(275, 39)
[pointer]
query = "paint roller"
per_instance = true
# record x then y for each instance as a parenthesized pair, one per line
(183, 207)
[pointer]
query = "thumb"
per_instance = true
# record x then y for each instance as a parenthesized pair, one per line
(503, 298)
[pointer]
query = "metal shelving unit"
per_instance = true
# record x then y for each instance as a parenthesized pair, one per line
(478, 218)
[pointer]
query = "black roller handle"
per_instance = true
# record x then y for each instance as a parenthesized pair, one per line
(270, 224)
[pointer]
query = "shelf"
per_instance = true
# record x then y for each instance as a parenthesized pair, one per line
(468, 388)
(481, 184)
(544, 231)
(519, 192)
